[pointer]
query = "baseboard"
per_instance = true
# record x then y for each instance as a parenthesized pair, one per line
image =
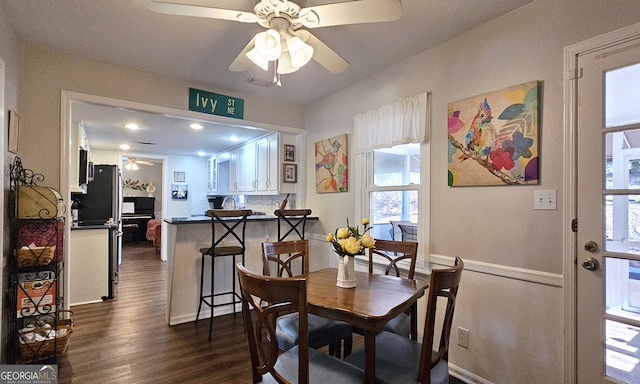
(466, 376)
(204, 314)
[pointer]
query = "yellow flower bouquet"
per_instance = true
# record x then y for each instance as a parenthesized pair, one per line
(349, 241)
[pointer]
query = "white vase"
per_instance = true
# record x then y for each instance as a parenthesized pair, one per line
(346, 272)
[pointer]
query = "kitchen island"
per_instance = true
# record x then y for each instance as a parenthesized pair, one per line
(182, 238)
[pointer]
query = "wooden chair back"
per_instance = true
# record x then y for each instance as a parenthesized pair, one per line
(394, 252)
(283, 254)
(444, 283)
(278, 296)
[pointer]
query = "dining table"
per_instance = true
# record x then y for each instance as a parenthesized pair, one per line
(374, 301)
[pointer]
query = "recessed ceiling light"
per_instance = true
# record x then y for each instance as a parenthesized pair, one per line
(132, 126)
(201, 153)
(124, 146)
(196, 126)
(233, 138)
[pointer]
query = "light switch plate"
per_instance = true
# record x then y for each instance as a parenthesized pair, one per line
(544, 199)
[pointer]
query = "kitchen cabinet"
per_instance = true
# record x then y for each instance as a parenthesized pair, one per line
(79, 141)
(254, 168)
(89, 271)
(242, 169)
(267, 164)
(212, 172)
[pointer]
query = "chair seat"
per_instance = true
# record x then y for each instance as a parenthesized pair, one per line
(222, 251)
(398, 361)
(322, 331)
(400, 325)
(323, 369)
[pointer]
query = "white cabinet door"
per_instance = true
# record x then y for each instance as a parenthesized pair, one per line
(267, 163)
(212, 168)
(246, 168)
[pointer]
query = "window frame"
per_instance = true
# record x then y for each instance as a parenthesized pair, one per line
(364, 185)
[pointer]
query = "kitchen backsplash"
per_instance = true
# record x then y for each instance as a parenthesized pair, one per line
(266, 204)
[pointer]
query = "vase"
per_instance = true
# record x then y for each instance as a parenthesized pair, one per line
(346, 272)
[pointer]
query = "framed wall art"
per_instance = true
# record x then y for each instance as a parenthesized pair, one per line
(493, 138)
(289, 152)
(332, 164)
(14, 131)
(290, 172)
(179, 176)
(179, 191)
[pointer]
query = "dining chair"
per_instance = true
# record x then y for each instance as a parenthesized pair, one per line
(392, 253)
(322, 331)
(263, 299)
(400, 360)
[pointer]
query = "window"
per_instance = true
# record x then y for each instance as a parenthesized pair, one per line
(393, 195)
(391, 145)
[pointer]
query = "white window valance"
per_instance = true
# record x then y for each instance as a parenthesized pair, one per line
(400, 122)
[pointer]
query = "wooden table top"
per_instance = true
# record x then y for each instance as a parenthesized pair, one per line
(370, 305)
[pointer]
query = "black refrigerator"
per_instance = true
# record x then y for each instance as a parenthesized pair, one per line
(102, 205)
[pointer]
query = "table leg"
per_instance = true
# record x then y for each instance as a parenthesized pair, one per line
(370, 356)
(414, 321)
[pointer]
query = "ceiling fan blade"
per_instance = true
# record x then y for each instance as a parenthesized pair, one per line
(324, 55)
(144, 162)
(242, 62)
(351, 12)
(200, 11)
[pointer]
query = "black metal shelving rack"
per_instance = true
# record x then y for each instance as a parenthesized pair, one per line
(38, 332)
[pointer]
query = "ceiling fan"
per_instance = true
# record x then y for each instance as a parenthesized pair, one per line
(132, 163)
(285, 41)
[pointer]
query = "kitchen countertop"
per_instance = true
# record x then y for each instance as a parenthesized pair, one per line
(205, 219)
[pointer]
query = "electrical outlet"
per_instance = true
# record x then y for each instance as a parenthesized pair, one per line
(463, 337)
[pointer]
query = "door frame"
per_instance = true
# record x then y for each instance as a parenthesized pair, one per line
(571, 73)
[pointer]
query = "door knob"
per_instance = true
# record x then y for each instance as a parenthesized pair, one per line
(591, 246)
(591, 263)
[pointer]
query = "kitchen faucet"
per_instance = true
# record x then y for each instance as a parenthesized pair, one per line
(224, 202)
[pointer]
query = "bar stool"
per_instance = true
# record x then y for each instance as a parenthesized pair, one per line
(294, 220)
(226, 221)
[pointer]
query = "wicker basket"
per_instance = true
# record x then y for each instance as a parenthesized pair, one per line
(32, 350)
(35, 350)
(31, 256)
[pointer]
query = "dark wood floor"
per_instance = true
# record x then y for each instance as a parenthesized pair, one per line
(127, 340)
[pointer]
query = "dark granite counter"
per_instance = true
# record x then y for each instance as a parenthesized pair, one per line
(204, 219)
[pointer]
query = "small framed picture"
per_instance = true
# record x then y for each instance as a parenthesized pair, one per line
(179, 191)
(290, 173)
(179, 176)
(289, 152)
(14, 131)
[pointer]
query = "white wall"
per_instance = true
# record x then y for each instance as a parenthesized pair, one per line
(11, 52)
(511, 296)
(48, 73)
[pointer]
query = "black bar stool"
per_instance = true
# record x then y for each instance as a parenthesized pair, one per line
(226, 221)
(294, 221)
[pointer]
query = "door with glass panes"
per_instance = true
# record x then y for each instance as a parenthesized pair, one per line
(608, 213)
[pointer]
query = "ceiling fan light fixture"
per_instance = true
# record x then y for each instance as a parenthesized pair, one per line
(300, 51)
(284, 64)
(268, 44)
(132, 166)
(257, 59)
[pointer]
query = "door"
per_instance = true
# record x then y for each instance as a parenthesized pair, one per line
(608, 212)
